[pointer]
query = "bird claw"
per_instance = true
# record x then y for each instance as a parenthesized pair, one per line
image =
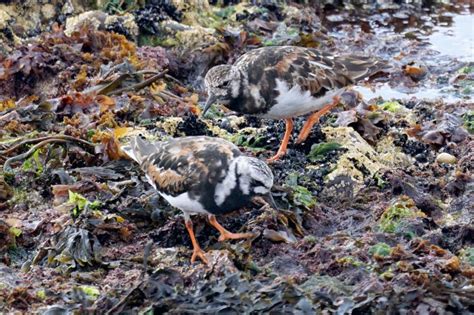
(234, 236)
(276, 157)
(199, 253)
(303, 135)
(301, 138)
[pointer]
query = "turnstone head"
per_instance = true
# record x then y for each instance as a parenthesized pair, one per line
(222, 80)
(202, 175)
(284, 82)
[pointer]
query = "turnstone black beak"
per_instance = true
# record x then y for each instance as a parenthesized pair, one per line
(288, 81)
(202, 175)
(269, 199)
(210, 100)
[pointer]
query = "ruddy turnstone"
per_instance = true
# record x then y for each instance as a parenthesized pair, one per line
(284, 82)
(203, 175)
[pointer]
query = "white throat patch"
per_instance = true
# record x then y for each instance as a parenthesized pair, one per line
(224, 188)
(235, 84)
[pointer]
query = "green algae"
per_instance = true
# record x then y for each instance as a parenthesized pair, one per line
(392, 107)
(395, 215)
(380, 249)
(319, 150)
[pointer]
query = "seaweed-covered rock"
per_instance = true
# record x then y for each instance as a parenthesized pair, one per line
(367, 221)
(149, 17)
(359, 162)
(98, 20)
(76, 247)
(29, 18)
(395, 216)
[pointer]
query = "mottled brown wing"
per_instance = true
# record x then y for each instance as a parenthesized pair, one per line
(320, 72)
(182, 164)
(312, 70)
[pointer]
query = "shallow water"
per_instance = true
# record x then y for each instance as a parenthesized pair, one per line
(388, 93)
(453, 40)
(456, 40)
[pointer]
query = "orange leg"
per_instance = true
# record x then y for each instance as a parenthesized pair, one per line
(197, 251)
(226, 235)
(284, 142)
(314, 118)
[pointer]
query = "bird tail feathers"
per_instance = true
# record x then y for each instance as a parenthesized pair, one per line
(361, 67)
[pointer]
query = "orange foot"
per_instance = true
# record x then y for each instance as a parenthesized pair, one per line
(276, 157)
(226, 235)
(234, 236)
(199, 253)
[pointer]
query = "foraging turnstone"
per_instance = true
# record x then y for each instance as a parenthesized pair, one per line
(284, 82)
(202, 175)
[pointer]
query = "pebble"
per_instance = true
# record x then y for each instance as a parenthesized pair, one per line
(446, 158)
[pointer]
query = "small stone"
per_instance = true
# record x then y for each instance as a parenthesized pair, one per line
(48, 10)
(156, 216)
(5, 18)
(446, 158)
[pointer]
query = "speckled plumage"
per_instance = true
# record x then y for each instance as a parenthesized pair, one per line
(254, 82)
(202, 175)
(283, 82)
(197, 167)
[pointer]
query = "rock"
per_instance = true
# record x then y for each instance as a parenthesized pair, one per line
(170, 125)
(127, 21)
(48, 11)
(101, 21)
(286, 265)
(191, 5)
(359, 161)
(4, 19)
(284, 35)
(400, 212)
(28, 18)
(8, 278)
(236, 121)
(195, 37)
(391, 155)
(446, 158)
(6, 192)
(330, 286)
(166, 257)
(178, 258)
(198, 46)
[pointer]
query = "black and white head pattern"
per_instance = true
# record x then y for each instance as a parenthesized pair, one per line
(222, 83)
(252, 176)
(255, 176)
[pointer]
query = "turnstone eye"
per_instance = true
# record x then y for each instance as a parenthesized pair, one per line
(285, 82)
(202, 175)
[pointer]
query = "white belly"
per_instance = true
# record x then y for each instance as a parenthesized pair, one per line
(296, 102)
(184, 203)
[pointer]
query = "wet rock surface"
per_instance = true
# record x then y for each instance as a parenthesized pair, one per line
(375, 208)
